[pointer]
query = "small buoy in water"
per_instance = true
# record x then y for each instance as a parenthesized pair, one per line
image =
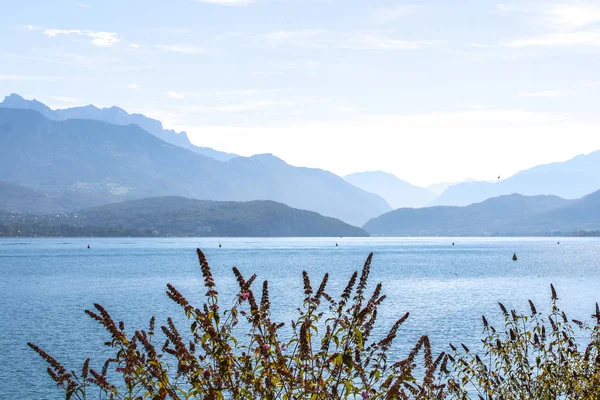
(557, 242)
(515, 257)
(219, 244)
(336, 245)
(452, 243)
(88, 246)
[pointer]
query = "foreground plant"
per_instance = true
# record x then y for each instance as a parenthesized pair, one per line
(531, 357)
(238, 353)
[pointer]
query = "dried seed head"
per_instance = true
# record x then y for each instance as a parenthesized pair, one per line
(209, 281)
(504, 311)
(532, 307)
(307, 286)
(322, 286)
(364, 276)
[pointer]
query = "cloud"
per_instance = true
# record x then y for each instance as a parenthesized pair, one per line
(348, 109)
(227, 2)
(390, 14)
(134, 45)
(175, 95)
(384, 42)
(103, 39)
(581, 38)
(574, 15)
(10, 77)
(552, 94)
(362, 40)
(555, 15)
(132, 85)
(56, 32)
(569, 24)
(66, 99)
(235, 108)
(182, 48)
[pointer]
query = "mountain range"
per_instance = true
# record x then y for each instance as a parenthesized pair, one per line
(177, 216)
(96, 163)
(62, 161)
(507, 215)
(571, 179)
(395, 191)
(116, 116)
(441, 187)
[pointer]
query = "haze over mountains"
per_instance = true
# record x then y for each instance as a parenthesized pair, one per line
(117, 116)
(509, 215)
(99, 163)
(571, 179)
(395, 191)
(62, 161)
(439, 188)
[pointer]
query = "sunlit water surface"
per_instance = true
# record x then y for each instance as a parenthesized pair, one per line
(47, 283)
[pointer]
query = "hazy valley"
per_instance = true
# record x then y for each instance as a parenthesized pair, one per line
(59, 167)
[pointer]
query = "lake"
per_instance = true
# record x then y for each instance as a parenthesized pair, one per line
(47, 283)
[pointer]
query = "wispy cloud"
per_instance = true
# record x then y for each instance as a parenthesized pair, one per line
(66, 99)
(99, 38)
(57, 32)
(132, 85)
(182, 48)
(581, 38)
(479, 45)
(364, 40)
(574, 15)
(552, 14)
(348, 109)
(227, 2)
(10, 77)
(235, 108)
(552, 94)
(175, 95)
(570, 24)
(390, 14)
(104, 38)
(385, 42)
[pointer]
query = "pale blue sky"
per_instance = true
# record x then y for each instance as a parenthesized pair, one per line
(430, 91)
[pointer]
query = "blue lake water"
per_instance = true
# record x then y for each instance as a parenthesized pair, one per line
(47, 283)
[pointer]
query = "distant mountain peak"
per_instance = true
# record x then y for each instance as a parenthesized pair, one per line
(397, 192)
(266, 158)
(569, 179)
(104, 162)
(375, 173)
(117, 116)
(13, 96)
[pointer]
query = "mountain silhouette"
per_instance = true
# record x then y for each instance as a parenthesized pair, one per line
(504, 215)
(106, 163)
(570, 179)
(178, 216)
(395, 191)
(117, 116)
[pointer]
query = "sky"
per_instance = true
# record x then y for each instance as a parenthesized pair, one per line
(430, 91)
